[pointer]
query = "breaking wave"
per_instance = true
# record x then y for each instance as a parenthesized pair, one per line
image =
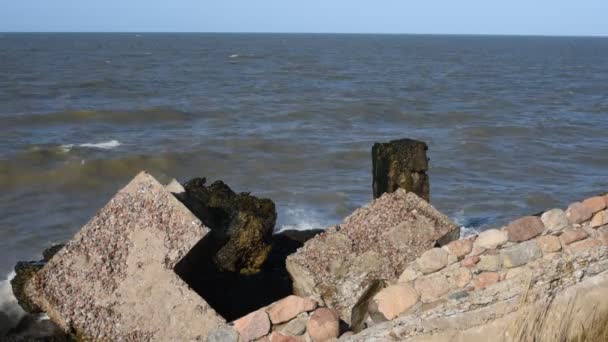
(106, 145)
(8, 306)
(301, 219)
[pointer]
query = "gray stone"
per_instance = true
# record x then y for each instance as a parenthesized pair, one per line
(555, 220)
(520, 254)
(115, 279)
(459, 295)
(223, 333)
(375, 242)
(296, 326)
(489, 263)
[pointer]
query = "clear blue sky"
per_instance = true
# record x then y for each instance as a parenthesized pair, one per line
(545, 17)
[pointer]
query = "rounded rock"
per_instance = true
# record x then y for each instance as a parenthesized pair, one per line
(289, 307)
(555, 220)
(253, 325)
(395, 300)
(432, 260)
(578, 213)
(323, 325)
(549, 244)
(485, 279)
(572, 235)
(459, 248)
(432, 288)
(595, 204)
(599, 219)
(491, 239)
(524, 228)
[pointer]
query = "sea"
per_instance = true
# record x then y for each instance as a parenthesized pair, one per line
(514, 124)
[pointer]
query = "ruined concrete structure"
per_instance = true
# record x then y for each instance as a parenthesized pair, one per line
(394, 270)
(115, 281)
(400, 164)
(375, 242)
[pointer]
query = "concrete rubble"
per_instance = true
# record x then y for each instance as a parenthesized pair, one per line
(115, 281)
(393, 270)
(375, 242)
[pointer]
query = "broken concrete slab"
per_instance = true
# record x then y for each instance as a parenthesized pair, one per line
(375, 242)
(115, 279)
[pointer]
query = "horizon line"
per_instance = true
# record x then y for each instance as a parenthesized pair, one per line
(314, 33)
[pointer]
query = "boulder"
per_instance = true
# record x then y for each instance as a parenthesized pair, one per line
(524, 228)
(253, 326)
(223, 333)
(277, 336)
(432, 287)
(520, 254)
(491, 239)
(375, 242)
(432, 260)
(400, 164)
(595, 204)
(394, 300)
(489, 263)
(323, 325)
(295, 327)
(230, 293)
(288, 308)
(471, 261)
(24, 271)
(555, 220)
(459, 248)
(572, 235)
(599, 219)
(578, 213)
(116, 278)
(240, 224)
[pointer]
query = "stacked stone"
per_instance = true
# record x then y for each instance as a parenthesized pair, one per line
(478, 262)
(291, 319)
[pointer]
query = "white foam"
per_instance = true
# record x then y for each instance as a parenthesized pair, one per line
(234, 56)
(464, 230)
(301, 219)
(105, 145)
(8, 304)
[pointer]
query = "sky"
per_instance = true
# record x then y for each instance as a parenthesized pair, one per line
(521, 17)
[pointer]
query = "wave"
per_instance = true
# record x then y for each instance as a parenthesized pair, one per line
(470, 226)
(106, 145)
(8, 306)
(301, 219)
(142, 116)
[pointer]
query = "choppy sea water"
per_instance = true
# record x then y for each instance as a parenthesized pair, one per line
(514, 124)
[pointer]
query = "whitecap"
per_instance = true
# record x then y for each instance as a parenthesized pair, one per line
(9, 305)
(301, 219)
(105, 145)
(465, 231)
(234, 56)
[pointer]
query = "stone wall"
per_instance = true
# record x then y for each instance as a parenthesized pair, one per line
(492, 273)
(292, 319)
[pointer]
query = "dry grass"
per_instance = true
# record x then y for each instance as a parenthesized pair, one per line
(550, 322)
